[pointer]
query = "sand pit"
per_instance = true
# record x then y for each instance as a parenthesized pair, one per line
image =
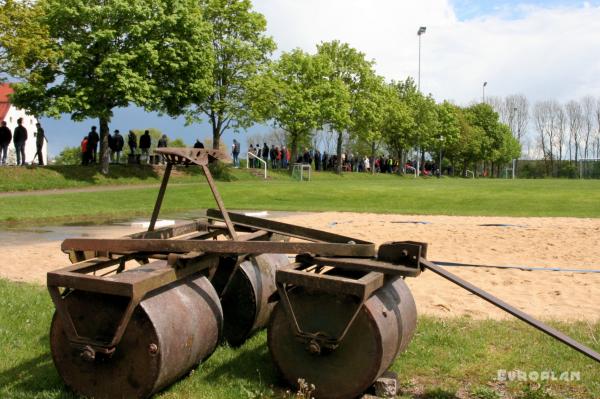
(552, 242)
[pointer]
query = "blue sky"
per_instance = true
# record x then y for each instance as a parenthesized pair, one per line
(543, 49)
(468, 9)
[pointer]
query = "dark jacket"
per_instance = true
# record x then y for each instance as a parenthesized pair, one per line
(198, 144)
(39, 137)
(162, 143)
(5, 135)
(20, 135)
(118, 142)
(132, 140)
(145, 141)
(93, 138)
(265, 152)
(111, 142)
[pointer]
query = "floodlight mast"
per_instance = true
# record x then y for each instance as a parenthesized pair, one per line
(421, 31)
(483, 97)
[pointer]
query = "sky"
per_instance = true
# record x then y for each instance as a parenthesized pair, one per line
(543, 49)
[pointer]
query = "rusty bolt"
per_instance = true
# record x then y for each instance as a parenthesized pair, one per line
(314, 348)
(153, 349)
(88, 354)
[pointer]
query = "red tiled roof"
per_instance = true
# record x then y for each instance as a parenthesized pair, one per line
(5, 90)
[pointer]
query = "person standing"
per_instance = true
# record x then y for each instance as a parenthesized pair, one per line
(92, 145)
(265, 153)
(5, 139)
(84, 151)
(20, 138)
(40, 136)
(235, 152)
(145, 143)
(118, 144)
(132, 142)
(250, 158)
(198, 144)
(162, 142)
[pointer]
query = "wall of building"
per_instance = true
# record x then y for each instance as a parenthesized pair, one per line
(30, 148)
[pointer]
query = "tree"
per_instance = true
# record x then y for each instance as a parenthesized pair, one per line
(468, 148)
(178, 142)
(399, 121)
(24, 43)
(104, 55)
(575, 114)
(69, 156)
(241, 51)
(371, 112)
(346, 78)
(588, 107)
(289, 95)
(449, 127)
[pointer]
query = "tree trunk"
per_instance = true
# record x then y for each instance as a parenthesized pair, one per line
(372, 165)
(294, 152)
(339, 154)
(216, 128)
(104, 155)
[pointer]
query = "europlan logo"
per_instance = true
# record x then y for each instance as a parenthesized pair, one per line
(535, 375)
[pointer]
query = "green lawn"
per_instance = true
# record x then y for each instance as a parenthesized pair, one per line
(446, 356)
(58, 177)
(326, 192)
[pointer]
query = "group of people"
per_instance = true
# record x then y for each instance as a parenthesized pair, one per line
(278, 158)
(116, 143)
(19, 138)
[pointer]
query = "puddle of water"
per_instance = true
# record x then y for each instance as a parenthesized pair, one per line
(121, 227)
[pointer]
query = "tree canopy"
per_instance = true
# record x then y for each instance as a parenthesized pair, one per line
(102, 55)
(241, 49)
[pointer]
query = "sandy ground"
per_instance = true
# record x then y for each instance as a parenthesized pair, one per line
(548, 242)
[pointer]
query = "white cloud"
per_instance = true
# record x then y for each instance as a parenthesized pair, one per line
(544, 53)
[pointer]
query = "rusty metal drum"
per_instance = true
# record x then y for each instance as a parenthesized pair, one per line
(382, 329)
(246, 303)
(171, 330)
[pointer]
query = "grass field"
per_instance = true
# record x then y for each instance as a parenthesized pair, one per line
(326, 192)
(445, 358)
(59, 177)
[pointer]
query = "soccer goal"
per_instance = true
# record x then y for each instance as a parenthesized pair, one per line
(589, 168)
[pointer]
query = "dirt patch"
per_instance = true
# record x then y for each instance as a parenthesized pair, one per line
(551, 242)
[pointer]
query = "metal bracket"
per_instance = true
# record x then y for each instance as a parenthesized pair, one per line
(297, 275)
(405, 253)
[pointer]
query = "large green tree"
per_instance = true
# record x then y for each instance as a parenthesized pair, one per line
(108, 54)
(242, 51)
(349, 77)
(289, 95)
(24, 43)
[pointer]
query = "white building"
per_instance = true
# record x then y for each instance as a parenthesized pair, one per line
(10, 114)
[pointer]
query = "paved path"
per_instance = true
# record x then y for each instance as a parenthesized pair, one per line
(91, 189)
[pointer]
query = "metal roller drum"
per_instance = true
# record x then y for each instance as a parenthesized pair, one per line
(382, 329)
(172, 330)
(246, 306)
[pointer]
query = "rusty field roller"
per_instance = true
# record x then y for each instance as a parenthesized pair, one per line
(381, 330)
(246, 303)
(135, 314)
(171, 330)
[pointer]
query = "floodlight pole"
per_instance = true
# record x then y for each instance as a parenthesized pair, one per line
(421, 31)
(483, 97)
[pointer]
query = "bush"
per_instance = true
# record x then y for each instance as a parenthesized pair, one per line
(68, 156)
